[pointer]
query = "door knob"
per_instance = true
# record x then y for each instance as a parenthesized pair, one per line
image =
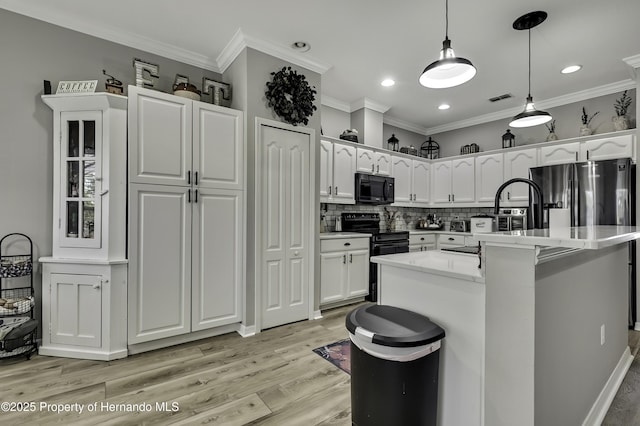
(296, 253)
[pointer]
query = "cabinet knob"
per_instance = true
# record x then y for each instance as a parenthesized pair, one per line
(96, 286)
(296, 253)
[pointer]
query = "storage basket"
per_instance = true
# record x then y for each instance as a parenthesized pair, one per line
(15, 266)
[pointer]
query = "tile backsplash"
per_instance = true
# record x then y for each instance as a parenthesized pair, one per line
(408, 217)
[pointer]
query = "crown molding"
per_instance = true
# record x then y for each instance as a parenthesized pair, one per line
(334, 103)
(569, 98)
(632, 61)
(241, 40)
(369, 104)
(136, 41)
(401, 124)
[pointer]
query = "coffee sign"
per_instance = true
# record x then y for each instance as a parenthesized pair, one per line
(86, 86)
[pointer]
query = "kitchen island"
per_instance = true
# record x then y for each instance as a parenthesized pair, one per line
(536, 336)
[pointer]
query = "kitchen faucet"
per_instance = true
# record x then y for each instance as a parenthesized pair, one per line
(536, 188)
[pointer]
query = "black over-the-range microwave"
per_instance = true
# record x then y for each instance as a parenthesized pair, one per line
(373, 189)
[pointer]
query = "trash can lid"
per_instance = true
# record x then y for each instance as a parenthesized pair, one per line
(391, 326)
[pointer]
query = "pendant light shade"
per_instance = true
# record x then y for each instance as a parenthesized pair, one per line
(530, 116)
(448, 70)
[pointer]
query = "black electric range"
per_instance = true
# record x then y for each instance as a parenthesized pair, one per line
(381, 242)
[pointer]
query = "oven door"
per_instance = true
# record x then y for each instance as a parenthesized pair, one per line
(391, 248)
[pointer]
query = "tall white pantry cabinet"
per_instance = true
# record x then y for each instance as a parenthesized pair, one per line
(84, 282)
(186, 218)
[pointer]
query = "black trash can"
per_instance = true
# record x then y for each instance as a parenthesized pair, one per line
(394, 366)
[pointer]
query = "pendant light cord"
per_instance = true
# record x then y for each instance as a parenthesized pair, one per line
(446, 19)
(529, 62)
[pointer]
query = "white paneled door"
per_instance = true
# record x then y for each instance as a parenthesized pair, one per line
(284, 223)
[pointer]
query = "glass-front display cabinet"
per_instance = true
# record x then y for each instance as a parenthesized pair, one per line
(89, 181)
(81, 178)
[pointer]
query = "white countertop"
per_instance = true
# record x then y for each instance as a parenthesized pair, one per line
(462, 266)
(335, 235)
(436, 231)
(582, 237)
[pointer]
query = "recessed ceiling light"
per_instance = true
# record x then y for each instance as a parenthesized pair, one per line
(444, 106)
(301, 46)
(387, 82)
(571, 68)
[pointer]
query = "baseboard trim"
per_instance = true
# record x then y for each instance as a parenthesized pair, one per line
(247, 331)
(637, 326)
(183, 338)
(64, 352)
(317, 315)
(603, 402)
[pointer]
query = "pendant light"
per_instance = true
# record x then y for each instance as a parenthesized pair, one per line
(449, 70)
(530, 116)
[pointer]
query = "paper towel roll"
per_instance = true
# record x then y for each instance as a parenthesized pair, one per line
(559, 218)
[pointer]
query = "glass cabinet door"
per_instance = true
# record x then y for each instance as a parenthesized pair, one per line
(81, 179)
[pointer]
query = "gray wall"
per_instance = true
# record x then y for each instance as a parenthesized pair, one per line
(489, 135)
(334, 121)
(33, 51)
(405, 137)
(257, 68)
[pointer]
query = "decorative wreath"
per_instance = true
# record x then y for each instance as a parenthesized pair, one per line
(290, 96)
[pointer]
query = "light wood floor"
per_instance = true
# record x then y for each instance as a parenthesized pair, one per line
(272, 378)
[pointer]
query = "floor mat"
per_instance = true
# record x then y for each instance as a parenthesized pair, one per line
(338, 354)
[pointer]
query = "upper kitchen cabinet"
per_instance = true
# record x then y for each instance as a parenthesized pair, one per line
(412, 181)
(177, 141)
(489, 176)
(453, 181)
(588, 150)
(337, 173)
(559, 154)
(607, 148)
(517, 165)
(89, 190)
(373, 162)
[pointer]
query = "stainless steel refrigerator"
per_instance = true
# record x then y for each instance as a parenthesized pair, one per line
(596, 193)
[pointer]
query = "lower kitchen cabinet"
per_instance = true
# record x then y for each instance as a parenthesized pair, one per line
(422, 242)
(186, 251)
(450, 240)
(84, 309)
(344, 269)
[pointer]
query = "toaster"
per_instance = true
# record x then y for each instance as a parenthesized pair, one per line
(460, 225)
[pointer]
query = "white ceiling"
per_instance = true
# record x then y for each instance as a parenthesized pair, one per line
(364, 41)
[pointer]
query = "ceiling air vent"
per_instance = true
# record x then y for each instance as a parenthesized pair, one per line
(501, 97)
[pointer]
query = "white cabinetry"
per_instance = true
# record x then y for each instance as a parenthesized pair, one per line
(85, 280)
(559, 154)
(517, 165)
(373, 162)
(588, 150)
(607, 148)
(422, 241)
(84, 309)
(450, 240)
(489, 176)
(186, 197)
(344, 269)
(453, 181)
(412, 181)
(337, 173)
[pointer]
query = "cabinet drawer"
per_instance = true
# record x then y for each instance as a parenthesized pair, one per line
(450, 239)
(342, 244)
(421, 238)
